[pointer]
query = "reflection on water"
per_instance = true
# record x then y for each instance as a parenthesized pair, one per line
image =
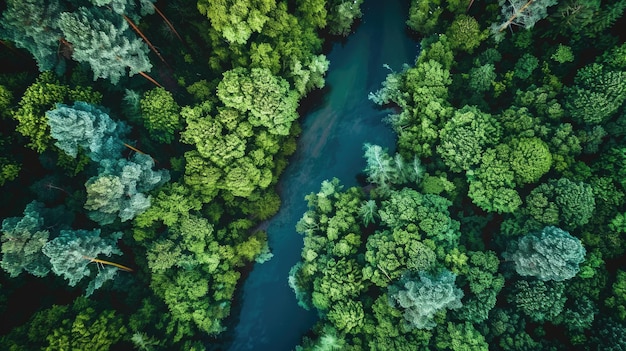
(330, 146)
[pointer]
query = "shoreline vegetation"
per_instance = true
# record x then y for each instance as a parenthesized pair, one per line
(141, 143)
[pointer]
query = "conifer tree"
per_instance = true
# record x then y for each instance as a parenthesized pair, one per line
(105, 42)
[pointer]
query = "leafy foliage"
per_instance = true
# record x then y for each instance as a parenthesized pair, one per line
(552, 254)
(422, 297)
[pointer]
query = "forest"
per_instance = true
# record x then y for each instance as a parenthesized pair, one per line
(142, 142)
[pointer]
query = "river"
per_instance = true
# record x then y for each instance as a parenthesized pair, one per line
(334, 130)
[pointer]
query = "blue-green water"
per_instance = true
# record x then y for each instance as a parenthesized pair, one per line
(330, 146)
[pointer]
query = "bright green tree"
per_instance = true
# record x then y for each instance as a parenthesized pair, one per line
(237, 20)
(161, 114)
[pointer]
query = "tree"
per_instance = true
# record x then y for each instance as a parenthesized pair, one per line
(39, 97)
(267, 98)
(161, 114)
(118, 190)
(348, 316)
(481, 78)
(540, 301)
(492, 184)
(384, 170)
(237, 20)
(86, 328)
(522, 13)
(423, 296)
(71, 252)
(485, 283)
(424, 15)
(341, 15)
(461, 337)
(596, 95)
(428, 213)
(33, 25)
(552, 254)
(89, 127)
(465, 137)
(562, 202)
(389, 254)
(104, 41)
(464, 33)
(22, 241)
(530, 159)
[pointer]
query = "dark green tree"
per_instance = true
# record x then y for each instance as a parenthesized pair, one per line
(596, 95)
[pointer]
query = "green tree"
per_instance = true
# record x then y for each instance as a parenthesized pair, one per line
(464, 33)
(86, 328)
(540, 301)
(89, 127)
(72, 251)
(522, 13)
(237, 20)
(465, 137)
(596, 95)
(492, 184)
(424, 15)
(461, 337)
(22, 241)
(390, 254)
(39, 97)
(267, 98)
(33, 25)
(552, 254)
(481, 78)
(119, 188)
(562, 202)
(348, 316)
(423, 296)
(530, 159)
(341, 15)
(161, 114)
(120, 51)
(485, 283)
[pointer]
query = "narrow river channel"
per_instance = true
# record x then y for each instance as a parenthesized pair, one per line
(334, 131)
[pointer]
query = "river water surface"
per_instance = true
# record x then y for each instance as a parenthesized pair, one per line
(331, 145)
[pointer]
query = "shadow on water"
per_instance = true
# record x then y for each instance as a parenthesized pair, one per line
(336, 123)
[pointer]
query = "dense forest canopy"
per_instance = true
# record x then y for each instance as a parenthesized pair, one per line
(141, 143)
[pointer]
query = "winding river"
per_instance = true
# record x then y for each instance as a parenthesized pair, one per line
(334, 130)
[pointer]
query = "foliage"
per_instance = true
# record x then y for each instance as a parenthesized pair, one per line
(161, 114)
(22, 241)
(561, 202)
(105, 42)
(522, 13)
(88, 127)
(552, 254)
(540, 301)
(341, 15)
(33, 25)
(596, 95)
(237, 20)
(71, 252)
(119, 188)
(423, 296)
